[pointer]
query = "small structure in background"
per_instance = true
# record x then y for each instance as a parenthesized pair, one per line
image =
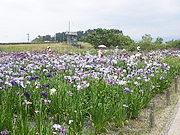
(71, 38)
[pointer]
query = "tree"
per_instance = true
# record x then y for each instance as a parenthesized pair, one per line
(147, 38)
(146, 42)
(38, 39)
(61, 37)
(108, 37)
(173, 44)
(158, 41)
(47, 38)
(80, 35)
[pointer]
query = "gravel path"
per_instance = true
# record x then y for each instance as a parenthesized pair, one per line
(173, 125)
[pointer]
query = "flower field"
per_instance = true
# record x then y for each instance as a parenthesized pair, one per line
(47, 93)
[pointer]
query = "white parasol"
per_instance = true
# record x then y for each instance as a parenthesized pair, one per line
(102, 46)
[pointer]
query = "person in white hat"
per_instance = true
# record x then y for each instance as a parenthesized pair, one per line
(99, 52)
(138, 48)
(116, 50)
(48, 48)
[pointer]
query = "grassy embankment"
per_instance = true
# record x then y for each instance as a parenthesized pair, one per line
(58, 47)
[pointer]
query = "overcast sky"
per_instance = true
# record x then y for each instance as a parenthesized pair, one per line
(160, 18)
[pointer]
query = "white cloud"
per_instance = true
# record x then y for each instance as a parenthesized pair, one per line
(170, 6)
(41, 17)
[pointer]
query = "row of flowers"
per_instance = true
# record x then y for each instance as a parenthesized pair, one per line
(78, 89)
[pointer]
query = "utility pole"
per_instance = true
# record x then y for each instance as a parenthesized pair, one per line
(55, 37)
(28, 37)
(69, 26)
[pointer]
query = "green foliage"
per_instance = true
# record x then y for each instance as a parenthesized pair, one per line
(108, 37)
(112, 38)
(147, 38)
(41, 39)
(47, 38)
(61, 37)
(146, 42)
(173, 44)
(159, 41)
(38, 39)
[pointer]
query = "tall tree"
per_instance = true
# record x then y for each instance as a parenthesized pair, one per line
(108, 37)
(146, 42)
(158, 41)
(47, 38)
(61, 37)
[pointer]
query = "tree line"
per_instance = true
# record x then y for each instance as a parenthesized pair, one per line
(111, 38)
(81, 35)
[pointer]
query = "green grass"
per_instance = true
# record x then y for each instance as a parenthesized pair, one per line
(58, 47)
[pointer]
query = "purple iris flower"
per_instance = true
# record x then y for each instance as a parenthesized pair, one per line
(53, 71)
(22, 68)
(109, 81)
(126, 89)
(43, 86)
(85, 83)
(13, 82)
(165, 65)
(33, 78)
(63, 130)
(160, 64)
(3, 87)
(4, 132)
(129, 76)
(47, 85)
(164, 72)
(44, 94)
(27, 94)
(152, 75)
(161, 78)
(140, 70)
(49, 76)
(152, 87)
(47, 101)
(1, 81)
